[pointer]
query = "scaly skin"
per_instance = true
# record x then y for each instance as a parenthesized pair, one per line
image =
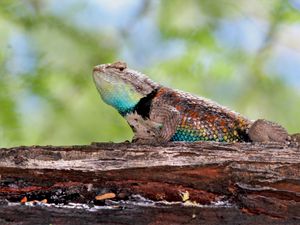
(159, 114)
(203, 120)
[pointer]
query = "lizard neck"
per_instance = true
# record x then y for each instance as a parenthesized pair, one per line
(121, 100)
(144, 105)
(124, 106)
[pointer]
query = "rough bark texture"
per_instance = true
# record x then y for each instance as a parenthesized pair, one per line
(256, 184)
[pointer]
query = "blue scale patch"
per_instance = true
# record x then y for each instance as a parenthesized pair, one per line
(186, 135)
(192, 135)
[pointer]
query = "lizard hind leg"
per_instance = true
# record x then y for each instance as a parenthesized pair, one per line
(266, 131)
(295, 139)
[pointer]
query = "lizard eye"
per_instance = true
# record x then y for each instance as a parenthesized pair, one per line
(118, 65)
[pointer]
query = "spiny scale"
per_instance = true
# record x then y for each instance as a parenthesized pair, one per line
(204, 120)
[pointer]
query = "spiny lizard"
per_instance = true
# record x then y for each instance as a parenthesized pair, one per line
(159, 114)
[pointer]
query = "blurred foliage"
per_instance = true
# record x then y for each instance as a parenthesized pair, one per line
(47, 95)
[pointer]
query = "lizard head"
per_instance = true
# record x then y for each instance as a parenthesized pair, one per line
(120, 86)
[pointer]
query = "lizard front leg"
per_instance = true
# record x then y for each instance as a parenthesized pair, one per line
(169, 118)
(144, 130)
(159, 128)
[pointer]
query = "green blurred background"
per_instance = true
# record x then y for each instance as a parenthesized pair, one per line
(242, 54)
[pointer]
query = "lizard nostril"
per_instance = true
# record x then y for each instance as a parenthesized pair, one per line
(98, 69)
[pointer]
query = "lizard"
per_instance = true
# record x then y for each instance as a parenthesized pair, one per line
(158, 114)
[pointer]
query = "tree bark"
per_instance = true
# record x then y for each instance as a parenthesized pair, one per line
(192, 183)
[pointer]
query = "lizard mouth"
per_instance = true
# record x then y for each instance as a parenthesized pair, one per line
(110, 73)
(99, 74)
(104, 79)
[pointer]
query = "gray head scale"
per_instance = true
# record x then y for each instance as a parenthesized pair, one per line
(120, 86)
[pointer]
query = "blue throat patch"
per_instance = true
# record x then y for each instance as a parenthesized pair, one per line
(121, 101)
(126, 111)
(123, 106)
(127, 102)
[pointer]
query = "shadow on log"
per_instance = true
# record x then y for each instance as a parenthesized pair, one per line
(205, 182)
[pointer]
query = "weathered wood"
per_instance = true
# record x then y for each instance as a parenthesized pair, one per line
(132, 214)
(258, 181)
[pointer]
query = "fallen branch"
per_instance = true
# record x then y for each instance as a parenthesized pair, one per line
(255, 181)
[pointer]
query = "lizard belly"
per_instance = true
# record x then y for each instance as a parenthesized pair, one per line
(194, 129)
(185, 135)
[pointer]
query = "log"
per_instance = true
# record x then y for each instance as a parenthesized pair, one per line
(192, 183)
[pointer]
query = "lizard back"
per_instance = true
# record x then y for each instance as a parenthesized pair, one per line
(202, 119)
